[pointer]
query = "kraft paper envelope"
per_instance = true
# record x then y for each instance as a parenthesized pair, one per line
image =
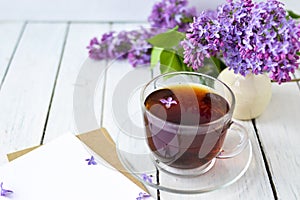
(100, 142)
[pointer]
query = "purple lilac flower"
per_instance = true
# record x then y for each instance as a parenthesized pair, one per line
(100, 49)
(168, 102)
(143, 196)
(4, 192)
(171, 13)
(140, 49)
(91, 161)
(133, 45)
(147, 178)
(251, 38)
(125, 44)
(201, 42)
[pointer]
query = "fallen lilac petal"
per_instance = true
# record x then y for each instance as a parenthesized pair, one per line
(168, 102)
(4, 192)
(147, 178)
(143, 195)
(91, 161)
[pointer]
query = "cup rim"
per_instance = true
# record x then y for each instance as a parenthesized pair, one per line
(229, 113)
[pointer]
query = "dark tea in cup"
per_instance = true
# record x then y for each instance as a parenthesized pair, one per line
(181, 138)
(187, 116)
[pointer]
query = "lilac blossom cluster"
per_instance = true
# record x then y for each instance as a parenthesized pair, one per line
(171, 13)
(131, 45)
(250, 37)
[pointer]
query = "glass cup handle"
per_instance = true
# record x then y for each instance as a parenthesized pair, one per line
(236, 147)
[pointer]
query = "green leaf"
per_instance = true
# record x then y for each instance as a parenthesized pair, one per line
(298, 53)
(219, 64)
(293, 15)
(209, 70)
(184, 66)
(167, 40)
(170, 62)
(180, 51)
(155, 56)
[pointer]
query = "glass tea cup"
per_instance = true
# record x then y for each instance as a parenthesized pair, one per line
(188, 119)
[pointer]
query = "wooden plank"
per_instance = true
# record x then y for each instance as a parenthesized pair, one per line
(9, 35)
(26, 92)
(278, 130)
(80, 75)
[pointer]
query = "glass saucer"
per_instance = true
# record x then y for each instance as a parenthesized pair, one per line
(136, 157)
(133, 151)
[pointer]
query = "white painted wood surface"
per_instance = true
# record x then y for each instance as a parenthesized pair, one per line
(41, 62)
(278, 130)
(26, 91)
(62, 111)
(9, 37)
(61, 116)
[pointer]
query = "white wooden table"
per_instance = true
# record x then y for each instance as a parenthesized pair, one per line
(42, 52)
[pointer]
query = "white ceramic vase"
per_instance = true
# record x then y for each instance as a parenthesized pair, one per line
(252, 92)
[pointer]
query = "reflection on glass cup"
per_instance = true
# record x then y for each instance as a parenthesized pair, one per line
(187, 116)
